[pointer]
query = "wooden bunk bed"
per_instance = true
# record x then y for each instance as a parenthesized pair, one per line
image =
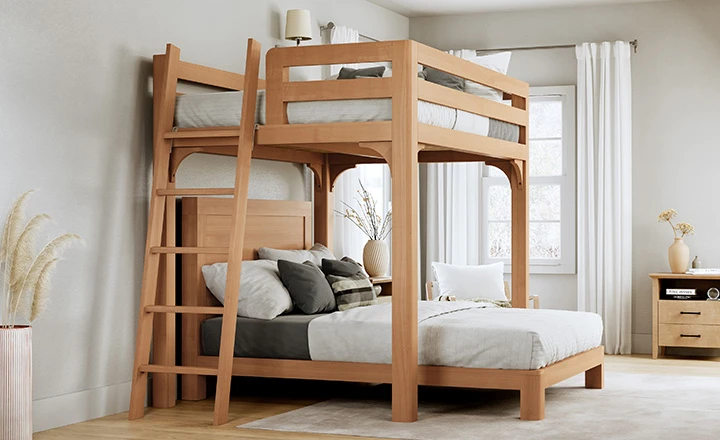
(328, 149)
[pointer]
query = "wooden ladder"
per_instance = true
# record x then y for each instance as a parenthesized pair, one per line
(165, 74)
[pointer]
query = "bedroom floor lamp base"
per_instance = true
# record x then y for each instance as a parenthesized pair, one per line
(16, 383)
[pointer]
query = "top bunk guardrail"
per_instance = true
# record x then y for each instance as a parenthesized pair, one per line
(280, 91)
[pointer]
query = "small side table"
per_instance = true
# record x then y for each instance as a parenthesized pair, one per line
(386, 285)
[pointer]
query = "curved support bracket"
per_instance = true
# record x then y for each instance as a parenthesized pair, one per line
(336, 170)
(317, 169)
(511, 168)
(383, 148)
(178, 155)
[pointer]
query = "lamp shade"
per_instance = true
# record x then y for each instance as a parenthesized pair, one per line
(297, 25)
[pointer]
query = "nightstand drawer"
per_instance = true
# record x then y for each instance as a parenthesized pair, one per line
(687, 335)
(689, 312)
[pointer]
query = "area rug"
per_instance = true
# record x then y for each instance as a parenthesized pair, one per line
(632, 406)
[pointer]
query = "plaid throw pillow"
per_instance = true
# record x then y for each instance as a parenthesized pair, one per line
(352, 291)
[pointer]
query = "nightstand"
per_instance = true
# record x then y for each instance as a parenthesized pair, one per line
(386, 284)
(693, 322)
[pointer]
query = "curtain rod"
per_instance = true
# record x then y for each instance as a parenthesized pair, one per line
(633, 43)
(331, 25)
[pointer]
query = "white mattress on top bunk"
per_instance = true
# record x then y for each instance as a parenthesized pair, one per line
(223, 109)
(458, 334)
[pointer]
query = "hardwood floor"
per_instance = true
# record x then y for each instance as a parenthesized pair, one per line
(193, 420)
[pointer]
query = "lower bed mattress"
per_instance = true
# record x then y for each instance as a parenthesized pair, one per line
(456, 334)
(223, 109)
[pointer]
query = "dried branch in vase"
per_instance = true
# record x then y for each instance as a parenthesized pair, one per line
(372, 224)
(682, 227)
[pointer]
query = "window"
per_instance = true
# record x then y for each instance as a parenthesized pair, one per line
(552, 188)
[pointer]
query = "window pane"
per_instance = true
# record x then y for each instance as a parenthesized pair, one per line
(545, 119)
(546, 158)
(544, 202)
(545, 240)
(499, 202)
(499, 240)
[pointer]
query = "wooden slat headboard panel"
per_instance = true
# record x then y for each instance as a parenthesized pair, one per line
(206, 223)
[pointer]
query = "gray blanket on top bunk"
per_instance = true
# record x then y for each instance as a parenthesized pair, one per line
(223, 109)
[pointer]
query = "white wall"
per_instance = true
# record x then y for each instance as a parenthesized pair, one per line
(76, 120)
(676, 87)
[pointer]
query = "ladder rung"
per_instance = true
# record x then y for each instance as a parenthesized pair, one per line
(189, 250)
(185, 309)
(204, 133)
(197, 192)
(178, 369)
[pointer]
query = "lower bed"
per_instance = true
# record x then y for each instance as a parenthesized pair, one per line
(223, 109)
(455, 334)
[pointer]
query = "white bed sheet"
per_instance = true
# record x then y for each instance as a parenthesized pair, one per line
(223, 109)
(458, 334)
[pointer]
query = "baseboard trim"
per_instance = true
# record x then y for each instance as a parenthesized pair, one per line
(67, 409)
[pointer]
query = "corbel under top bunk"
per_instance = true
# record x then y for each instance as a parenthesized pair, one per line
(342, 145)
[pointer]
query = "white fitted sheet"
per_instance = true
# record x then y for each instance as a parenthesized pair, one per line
(458, 334)
(223, 109)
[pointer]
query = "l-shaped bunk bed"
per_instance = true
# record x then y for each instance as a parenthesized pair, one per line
(223, 229)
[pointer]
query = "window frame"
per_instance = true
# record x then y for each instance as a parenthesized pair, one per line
(567, 181)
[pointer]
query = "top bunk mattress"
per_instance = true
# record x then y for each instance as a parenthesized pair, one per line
(223, 109)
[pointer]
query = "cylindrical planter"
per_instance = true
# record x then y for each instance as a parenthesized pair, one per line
(376, 258)
(16, 383)
(679, 256)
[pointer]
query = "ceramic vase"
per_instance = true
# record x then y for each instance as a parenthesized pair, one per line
(16, 383)
(678, 256)
(376, 258)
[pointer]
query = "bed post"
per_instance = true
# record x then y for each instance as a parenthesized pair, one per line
(520, 220)
(404, 171)
(323, 203)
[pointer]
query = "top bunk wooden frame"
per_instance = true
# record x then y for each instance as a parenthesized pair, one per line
(331, 148)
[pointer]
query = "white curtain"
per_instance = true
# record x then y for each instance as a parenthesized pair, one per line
(604, 128)
(348, 240)
(450, 209)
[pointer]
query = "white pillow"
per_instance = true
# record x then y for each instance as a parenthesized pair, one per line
(471, 282)
(262, 294)
(498, 62)
(314, 254)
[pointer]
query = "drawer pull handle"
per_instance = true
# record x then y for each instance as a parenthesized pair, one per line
(689, 336)
(690, 313)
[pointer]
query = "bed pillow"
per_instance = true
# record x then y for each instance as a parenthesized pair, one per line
(498, 62)
(308, 288)
(314, 254)
(471, 282)
(344, 267)
(352, 291)
(262, 294)
(367, 72)
(442, 78)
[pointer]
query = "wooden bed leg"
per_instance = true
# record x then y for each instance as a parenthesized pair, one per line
(406, 288)
(595, 377)
(532, 399)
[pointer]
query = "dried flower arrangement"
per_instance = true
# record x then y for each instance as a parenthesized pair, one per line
(682, 227)
(26, 277)
(368, 220)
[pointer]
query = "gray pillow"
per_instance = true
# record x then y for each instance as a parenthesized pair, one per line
(345, 267)
(368, 72)
(308, 288)
(443, 79)
(314, 254)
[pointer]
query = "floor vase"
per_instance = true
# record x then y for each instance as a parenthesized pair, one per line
(16, 383)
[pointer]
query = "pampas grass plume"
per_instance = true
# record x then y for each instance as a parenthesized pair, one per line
(14, 226)
(41, 291)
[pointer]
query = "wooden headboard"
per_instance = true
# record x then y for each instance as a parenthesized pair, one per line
(206, 223)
